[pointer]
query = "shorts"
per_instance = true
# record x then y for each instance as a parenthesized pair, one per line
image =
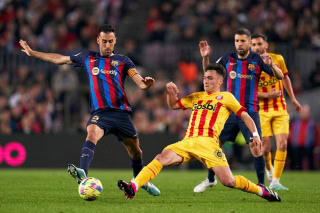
(274, 123)
(117, 123)
(204, 149)
(234, 124)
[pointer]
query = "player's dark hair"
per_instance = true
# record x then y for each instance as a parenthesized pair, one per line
(243, 31)
(106, 28)
(218, 68)
(259, 35)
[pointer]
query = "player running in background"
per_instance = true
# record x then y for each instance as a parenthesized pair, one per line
(210, 110)
(243, 73)
(273, 112)
(109, 107)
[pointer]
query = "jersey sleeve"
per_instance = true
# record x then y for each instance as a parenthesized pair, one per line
(186, 102)
(283, 66)
(264, 67)
(78, 59)
(233, 104)
(130, 67)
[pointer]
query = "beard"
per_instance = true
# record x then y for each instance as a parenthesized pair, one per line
(243, 52)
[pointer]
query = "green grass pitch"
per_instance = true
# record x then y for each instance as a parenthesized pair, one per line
(44, 190)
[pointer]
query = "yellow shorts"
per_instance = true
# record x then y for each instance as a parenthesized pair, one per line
(204, 149)
(274, 123)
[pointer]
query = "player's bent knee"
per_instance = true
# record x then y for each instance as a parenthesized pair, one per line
(228, 182)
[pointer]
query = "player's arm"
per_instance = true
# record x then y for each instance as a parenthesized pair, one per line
(143, 83)
(277, 72)
(288, 86)
(172, 96)
(205, 51)
(252, 127)
(272, 94)
(49, 57)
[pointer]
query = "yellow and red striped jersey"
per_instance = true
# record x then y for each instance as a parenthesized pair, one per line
(209, 112)
(267, 83)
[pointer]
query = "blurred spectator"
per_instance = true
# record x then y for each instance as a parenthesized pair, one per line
(314, 78)
(303, 140)
(5, 122)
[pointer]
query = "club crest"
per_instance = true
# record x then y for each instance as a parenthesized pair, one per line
(251, 67)
(114, 63)
(95, 71)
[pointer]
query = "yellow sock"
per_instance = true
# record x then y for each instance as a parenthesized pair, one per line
(246, 185)
(148, 173)
(267, 160)
(279, 162)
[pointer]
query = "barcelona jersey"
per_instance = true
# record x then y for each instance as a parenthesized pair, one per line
(106, 78)
(209, 112)
(268, 83)
(243, 77)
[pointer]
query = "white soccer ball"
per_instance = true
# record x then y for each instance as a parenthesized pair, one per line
(90, 188)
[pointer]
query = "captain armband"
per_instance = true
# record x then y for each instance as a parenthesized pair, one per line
(132, 72)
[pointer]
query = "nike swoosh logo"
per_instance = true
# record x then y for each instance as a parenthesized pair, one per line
(93, 60)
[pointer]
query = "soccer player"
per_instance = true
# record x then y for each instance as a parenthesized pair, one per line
(109, 107)
(210, 110)
(273, 112)
(243, 72)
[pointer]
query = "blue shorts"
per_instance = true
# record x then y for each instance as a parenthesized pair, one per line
(234, 124)
(117, 123)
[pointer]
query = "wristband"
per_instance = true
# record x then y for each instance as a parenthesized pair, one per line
(256, 134)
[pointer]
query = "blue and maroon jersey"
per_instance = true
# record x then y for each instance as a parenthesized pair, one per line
(243, 77)
(106, 77)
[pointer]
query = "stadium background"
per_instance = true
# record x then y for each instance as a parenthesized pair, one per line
(43, 106)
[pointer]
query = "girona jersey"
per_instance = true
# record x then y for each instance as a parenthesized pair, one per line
(243, 76)
(106, 78)
(268, 83)
(209, 112)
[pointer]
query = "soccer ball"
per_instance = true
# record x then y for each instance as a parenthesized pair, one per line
(90, 188)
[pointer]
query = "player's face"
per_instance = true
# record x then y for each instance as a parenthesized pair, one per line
(212, 81)
(258, 45)
(106, 43)
(242, 44)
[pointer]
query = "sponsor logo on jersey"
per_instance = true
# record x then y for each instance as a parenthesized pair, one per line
(218, 154)
(114, 63)
(111, 72)
(234, 75)
(95, 119)
(95, 71)
(219, 97)
(207, 106)
(272, 81)
(251, 67)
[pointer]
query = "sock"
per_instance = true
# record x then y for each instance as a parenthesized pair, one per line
(279, 162)
(136, 166)
(246, 185)
(148, 173)
(260, 166)
(211, 175)
(268, 162)
(86, 155)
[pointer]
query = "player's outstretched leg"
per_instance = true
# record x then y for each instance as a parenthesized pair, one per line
(77, 173)
(208, 182)
(128, 188)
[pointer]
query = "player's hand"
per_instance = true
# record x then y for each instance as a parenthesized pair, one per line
(148, 81)
(257, 142)
(25, 47)
(274, 93)
(297, 105)
(266, 59)
(172, 89)
(205, 49)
